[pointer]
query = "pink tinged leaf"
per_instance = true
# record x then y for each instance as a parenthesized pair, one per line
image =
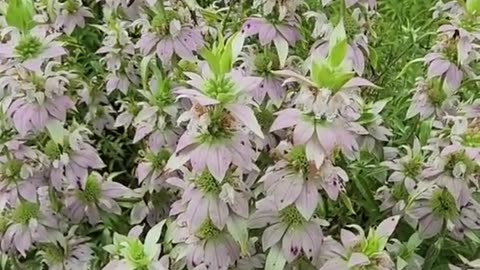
(335, 263)
(252, 26)
(292, 244)
(273, 234)
(289, 33)
(308, 199)
(358, 259)
(197, 96)
(430, 226)
(312, 241)
(110, 206)
(240, 205)
(184, 141)
(260, 219)
(419, 210)
(219, 161)
(195, 81)
(348, 238)
(247, 117)
(396, 177)
(21, 119)
(286, 190)
(197, 210)
(275, 90)
(438, 67)
(327, 137)
(286, 118)
(282, 49)
(332, 189)
(28, 191)
(179, 158)
(218, 212)
(33, 64)
(242, 156)
(22, 240)
(115, 190)
(314, 152)
(245, 83)
(454, 77)
(358, 59)
(266, 34)
(58, 107)
(39, 118)
(387, 227)
(199, 158)
(139, 212)
(142, 131)
(146, 43)
(117, 264)
(6, 51)
(182, 50)
(165, 50)
(359, 82)
(216, 255)
(124, 119)
(464, 47)
(303, 132)
(294, 76)
(93, 215)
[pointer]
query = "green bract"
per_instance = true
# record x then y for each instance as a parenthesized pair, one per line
(138, 255)
(20, 14)
(222, 55)
(473, 6)
(332, 73)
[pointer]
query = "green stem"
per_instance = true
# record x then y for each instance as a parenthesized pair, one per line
(161, 7)
(224, 22)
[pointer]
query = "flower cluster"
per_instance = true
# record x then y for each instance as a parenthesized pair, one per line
(235, 135)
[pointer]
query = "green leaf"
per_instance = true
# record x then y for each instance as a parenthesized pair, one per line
(152, 236)
(432, 254)
(282, 49)
(56, 131)
(414, 241)
(401, 263)
(373, 56)
(347, 202)
(20, 14)
(472, 236)
(338, 53)
(237, 42)
(238, 229)
(424, 131)
(144, 68)
(275, 259)
(321, 74)
(366, 193)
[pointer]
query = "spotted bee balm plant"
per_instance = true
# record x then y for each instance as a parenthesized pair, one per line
(239, 135)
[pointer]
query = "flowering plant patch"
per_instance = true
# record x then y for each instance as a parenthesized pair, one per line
(239, 135)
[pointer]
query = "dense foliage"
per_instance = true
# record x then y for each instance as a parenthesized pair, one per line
(239, 135)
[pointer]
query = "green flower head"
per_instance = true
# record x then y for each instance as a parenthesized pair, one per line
(92, 192)
(28, 47)
(443, 204)
(292, 216)
(24, 212)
